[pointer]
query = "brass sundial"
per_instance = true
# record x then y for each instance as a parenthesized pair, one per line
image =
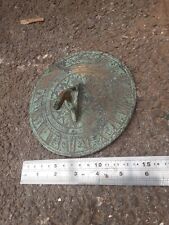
(82, 103)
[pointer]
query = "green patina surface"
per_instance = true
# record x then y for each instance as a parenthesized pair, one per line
(86, 118)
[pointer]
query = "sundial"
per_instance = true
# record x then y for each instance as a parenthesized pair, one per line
(82, 103)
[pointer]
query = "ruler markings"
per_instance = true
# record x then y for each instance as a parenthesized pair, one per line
(151, 170)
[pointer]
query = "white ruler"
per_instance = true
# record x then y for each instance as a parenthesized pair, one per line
(146, 171)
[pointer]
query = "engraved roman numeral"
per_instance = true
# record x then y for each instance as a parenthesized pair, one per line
(71, 144)
(41, 128)
(38, 95)
(82, 143)
(103, 138)
(49, 138)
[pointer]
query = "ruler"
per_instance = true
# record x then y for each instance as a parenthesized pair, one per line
(145, 171)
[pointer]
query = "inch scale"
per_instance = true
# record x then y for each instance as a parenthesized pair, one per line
(145, 171)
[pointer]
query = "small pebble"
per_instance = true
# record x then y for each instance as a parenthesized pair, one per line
(45, 56)
(99, 201)
(59, 199)
(1, 60)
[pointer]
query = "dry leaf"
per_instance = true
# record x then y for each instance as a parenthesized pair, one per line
(32, 20)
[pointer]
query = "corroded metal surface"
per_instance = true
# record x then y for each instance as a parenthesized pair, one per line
(82, 103)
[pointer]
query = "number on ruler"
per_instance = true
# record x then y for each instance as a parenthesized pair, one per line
(98, 164)
(146, 164)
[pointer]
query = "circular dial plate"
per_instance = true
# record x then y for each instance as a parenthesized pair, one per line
(106, 100)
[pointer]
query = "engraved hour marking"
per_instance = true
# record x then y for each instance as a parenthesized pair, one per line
(71, 144)
(86, 143)
(41, 128)
(37, 101)
(36, 117)
(59, 143)
(37, 121)
(61, 119)
(124, 106)
(103, 137)
(36, 106)
(49, 138)
(39, 94)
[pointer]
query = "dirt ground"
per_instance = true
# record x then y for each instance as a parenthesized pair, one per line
(135, 31)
